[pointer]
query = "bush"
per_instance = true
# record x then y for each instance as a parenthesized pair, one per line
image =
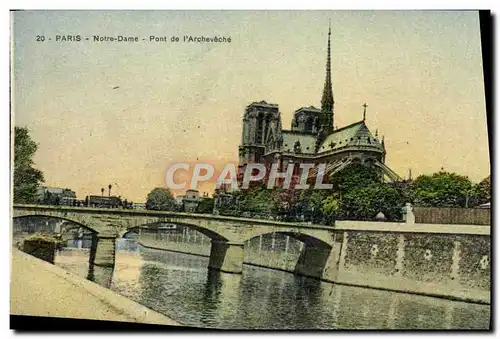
(41, 246)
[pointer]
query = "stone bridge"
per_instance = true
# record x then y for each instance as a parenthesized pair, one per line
(319, 257)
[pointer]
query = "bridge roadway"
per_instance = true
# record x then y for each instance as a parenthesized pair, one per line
(319, 258)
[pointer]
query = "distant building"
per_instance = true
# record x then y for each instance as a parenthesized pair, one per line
(55, 196)
(139, 205)
(99, 201)
(223, 200)
(179, 199)
(190, 200)
(192, 195)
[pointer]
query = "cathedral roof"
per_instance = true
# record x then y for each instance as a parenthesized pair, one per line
(262, 103)
(308, 109)
(307, 141)
(356, 134)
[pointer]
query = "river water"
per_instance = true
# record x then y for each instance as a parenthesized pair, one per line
(181, 287)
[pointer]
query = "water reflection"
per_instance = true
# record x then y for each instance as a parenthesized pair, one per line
(181, 287)
(101, 275)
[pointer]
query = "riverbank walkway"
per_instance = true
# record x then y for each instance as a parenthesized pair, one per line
(38, 288)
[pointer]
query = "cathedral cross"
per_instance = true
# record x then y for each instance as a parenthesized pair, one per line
(364, 112)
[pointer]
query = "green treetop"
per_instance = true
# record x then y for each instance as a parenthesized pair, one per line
(26, 178)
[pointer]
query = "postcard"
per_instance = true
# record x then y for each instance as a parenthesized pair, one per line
(251, 170)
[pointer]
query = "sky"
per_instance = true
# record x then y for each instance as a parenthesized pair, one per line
(420, 73)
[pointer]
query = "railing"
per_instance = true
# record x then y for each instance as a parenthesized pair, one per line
(444, 215)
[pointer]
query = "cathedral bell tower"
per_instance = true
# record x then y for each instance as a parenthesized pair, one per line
(260, 120)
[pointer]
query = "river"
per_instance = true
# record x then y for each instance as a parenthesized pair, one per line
(181, 287)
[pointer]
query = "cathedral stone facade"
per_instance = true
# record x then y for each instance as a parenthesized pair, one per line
(311, 137)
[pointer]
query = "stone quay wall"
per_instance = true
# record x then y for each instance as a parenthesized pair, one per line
(450, 261)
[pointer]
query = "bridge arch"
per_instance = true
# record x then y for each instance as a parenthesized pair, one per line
(310, 237)
(77, 223)
(85, 220)
(123, 233)
(307, 239)
(313, 258)
(146, 225)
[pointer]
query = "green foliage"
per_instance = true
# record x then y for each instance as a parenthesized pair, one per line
(26, 178)
(442, 189)
(360, 194)
(331, 205)
(405, 188)
(206, 205)
(258, 199)
(311, 204)
(354, 176)
(330, 208)
(482, 192)
(286, 201)
(160, 199)
(363, 203)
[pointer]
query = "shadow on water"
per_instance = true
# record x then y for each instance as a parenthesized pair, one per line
(101, 275)
(213, 285)
(211, 297)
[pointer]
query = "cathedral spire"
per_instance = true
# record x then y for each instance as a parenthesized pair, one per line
(327, 99)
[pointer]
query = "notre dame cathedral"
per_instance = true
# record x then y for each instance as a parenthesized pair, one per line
(312, 137)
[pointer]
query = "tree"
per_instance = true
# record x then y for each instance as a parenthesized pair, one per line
(160, 199)
(258, 199)
(354, 176)
(286, 202)
(331, 206)
(206, 205)
(442, 189)
(359, 193)
(363, 203)
(482, 192)
(27, 179)
(311, 204)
